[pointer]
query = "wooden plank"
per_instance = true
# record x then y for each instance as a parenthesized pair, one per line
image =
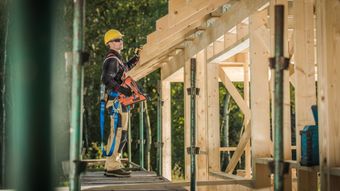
(240, 149)
(328, 54)
(168, 185)
(263, 177)
(227, 176)
(161, 24)
(213, 126)
(221, 26)
(218, 47)
(234, 92)
(166, 129)
(246, 99)
(185, 17)
(239, 46)
(187, 118)
(305, 92)
(172, 65)
(179, 10)
(227, 148)
(260, 121)
(202, 116)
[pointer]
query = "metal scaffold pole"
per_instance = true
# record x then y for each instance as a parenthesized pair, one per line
(279, 63)
(193, 150)
(141, 135)
(76, 112)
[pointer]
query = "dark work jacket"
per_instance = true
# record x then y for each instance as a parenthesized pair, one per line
(114, 70)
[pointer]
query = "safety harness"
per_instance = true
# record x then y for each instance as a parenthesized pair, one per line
(114, 113)
(112, 95)
(138, 95)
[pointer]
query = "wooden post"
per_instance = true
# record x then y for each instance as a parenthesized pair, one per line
(166, 129)
(246, 99)
(202, 117)
(260, 122)
(305, 92)
(328, 54)
(213, 125)
(186, 119)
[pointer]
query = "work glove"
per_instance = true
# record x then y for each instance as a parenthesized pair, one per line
(126, 91)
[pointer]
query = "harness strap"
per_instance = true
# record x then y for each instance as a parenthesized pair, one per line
(115, 115)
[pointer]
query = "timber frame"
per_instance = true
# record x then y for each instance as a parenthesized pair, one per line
(232, 41)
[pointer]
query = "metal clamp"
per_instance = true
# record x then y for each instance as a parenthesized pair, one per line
(158, 144)
(80, 166)
(195, 91)
(193, 150)
(284, 62)
(284, 165)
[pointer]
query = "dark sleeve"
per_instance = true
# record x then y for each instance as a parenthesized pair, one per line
(132, 62)
(110, 70)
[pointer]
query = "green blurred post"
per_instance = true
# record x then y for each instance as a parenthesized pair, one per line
(159, 130)
(4, 104)
(29, 94)
(76, 101)
(141, 135)
(279, 63)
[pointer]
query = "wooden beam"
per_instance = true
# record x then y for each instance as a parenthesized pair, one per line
(328, 54)
(234, 92)
(172, 65)
(227, 148)
(220, 27)
(213, 126)
(260, 121)
(246, 94)
(166, 129)
(239, 46)
(184, 18)
(240, 149)
(186, 119)
(305, 90)
(168, 185)
(202, 116)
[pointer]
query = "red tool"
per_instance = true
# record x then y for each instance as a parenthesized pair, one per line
(137, 92)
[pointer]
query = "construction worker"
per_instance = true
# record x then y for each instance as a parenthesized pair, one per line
(113, 74)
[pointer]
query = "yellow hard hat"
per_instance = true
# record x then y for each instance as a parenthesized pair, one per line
(112, 34)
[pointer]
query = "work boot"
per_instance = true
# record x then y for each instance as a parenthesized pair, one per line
(117, 173)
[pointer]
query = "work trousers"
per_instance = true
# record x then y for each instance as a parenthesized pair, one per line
(113, 162)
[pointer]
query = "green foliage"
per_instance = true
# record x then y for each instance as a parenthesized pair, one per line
(177, 130)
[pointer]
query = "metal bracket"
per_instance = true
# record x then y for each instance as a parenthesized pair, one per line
(196, 91)
(284, 63)
(80, 166)
(285, 167)
(158, 144)
(85, 57)
(193, 150)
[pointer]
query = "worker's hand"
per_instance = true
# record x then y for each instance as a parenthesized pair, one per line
(126, 91)
(138, 51)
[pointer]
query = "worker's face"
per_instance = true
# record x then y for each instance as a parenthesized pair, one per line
(116, 44)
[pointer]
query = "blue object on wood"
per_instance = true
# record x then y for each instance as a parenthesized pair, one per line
(309, 146)
(310, 142)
